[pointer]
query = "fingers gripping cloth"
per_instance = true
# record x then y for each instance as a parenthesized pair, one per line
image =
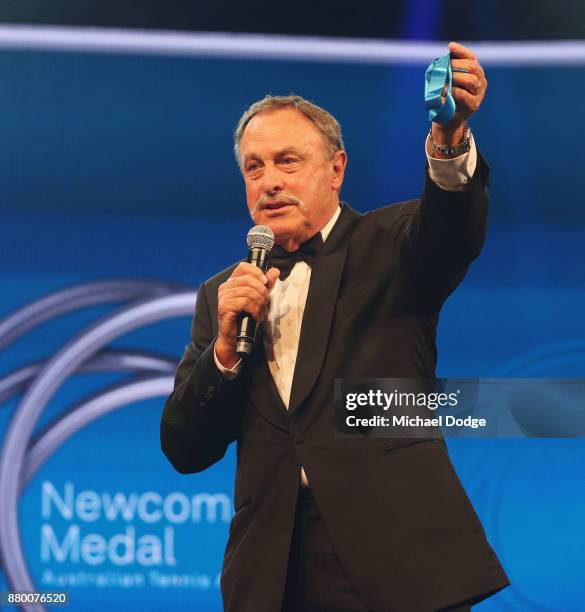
(438, 74)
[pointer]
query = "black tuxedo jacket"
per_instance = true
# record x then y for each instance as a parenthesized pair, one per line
(399, 519)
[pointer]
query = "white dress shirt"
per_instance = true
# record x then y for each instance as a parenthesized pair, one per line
(282, 326)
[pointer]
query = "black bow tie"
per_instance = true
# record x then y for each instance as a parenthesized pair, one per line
(285, 261)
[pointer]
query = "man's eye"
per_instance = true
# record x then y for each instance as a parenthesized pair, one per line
(253, 167)
(289, 160)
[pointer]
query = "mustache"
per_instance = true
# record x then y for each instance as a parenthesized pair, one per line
(281, 198)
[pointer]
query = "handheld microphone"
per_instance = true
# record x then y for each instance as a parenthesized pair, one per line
(260, 242)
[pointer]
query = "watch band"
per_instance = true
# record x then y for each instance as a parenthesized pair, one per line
(453, 150)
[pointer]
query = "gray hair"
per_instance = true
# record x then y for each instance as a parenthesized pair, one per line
(325, 122)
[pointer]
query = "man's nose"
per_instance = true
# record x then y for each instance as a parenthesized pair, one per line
(272, 180)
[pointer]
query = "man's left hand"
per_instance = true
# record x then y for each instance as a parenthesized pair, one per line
(468, 90)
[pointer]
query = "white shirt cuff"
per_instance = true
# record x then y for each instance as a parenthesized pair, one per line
(453, 174)
(229, 373)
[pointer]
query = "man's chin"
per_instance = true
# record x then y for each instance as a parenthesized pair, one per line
(283, 231)
(283, 226)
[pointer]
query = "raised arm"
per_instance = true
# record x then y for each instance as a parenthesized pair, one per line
(445, 231)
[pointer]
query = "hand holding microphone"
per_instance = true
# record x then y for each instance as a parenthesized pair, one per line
(244, 297)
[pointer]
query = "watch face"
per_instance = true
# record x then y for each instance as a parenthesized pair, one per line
(462, 147)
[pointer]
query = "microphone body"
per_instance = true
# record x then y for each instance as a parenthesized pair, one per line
(260, 242)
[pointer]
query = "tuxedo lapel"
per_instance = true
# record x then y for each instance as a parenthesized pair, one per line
(263, 391)
(326, 275)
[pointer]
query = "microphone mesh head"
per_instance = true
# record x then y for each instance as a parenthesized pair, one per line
(260, 236)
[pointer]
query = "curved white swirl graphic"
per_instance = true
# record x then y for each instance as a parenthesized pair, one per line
(145, 302)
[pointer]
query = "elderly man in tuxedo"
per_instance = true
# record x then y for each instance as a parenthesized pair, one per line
(323, 522)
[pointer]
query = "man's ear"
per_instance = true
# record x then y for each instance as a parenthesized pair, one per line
(338, 164)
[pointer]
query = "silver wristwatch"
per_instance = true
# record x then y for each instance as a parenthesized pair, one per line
(454, 150)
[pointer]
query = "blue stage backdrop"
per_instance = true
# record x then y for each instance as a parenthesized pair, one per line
(120, 195)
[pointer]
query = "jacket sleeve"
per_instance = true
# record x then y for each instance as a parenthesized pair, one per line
(202, 415)
(441, 235)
